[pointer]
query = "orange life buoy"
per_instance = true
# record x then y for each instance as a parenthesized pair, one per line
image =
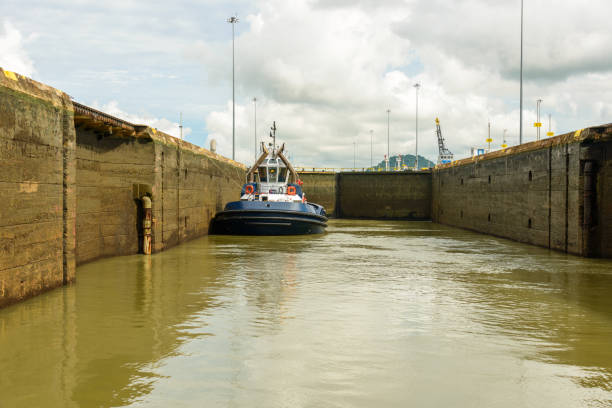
(291, 190)
(249, 189)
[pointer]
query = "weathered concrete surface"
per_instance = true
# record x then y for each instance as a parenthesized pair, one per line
(533, 193)
(71, 193)
(396, 195)
(188, 185)
(107, 211)
(320, 188)
(37, 215)
(390, 195)
(191, 185)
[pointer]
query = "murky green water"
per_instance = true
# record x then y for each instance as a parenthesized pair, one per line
(369, 314)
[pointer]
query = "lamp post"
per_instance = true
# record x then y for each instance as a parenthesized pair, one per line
(521, 103)
(181, 125)
(550, 132)
(255, 113)
(538, 124)
(416, 161)
(354, 154)
(371, 140)
(233, 20)
(388, 157)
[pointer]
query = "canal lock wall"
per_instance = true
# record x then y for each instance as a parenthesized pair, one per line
(72, 179)
(554, 193)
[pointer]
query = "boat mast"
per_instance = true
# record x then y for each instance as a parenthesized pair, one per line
(273, 136)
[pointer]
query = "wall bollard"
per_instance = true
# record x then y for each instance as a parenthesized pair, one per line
(146, 225)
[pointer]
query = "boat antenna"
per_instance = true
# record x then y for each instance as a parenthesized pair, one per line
(273, 136)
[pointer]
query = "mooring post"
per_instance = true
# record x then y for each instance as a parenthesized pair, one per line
(146, 225)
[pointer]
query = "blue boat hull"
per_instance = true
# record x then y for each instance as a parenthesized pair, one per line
(269, 218)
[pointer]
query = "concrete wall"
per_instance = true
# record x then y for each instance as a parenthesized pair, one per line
(37, 215)
(533, 193)
(320, 188)
(191, 185)
(400, 195)
(71, 186)
(107, 211)
(187, 184)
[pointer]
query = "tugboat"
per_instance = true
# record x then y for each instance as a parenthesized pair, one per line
(272, 201)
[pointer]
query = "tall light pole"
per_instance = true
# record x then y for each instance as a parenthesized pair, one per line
(354, 154)
(550, 132)
(371, 140)
(521, 103)
(388, 157)
(416, 162)
(181, 125)
(538, 124)
(255, 111)
(233, 20)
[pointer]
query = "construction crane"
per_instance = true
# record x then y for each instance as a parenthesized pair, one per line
(444, 155)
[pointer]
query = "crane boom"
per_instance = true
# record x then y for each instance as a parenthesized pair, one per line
(444, 155)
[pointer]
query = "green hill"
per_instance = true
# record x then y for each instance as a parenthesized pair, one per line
(407, 159)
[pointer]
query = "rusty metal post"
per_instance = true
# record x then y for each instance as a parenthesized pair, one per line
(146, 225)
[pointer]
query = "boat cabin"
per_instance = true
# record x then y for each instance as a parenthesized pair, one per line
(272, 178)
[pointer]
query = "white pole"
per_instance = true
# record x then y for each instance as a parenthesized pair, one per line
(233, 20)
(416, 162)
(539, 124)
(371, 141)
(521, 103)
(255, 110)
(388, 157)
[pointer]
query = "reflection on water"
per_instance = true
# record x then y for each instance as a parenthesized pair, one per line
(371, 313)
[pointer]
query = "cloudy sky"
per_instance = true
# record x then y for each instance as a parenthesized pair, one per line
(325, 70)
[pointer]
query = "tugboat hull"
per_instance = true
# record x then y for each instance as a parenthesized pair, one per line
(268, 219)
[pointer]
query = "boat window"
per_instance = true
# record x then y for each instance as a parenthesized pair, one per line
(273, 172)
(263, 177)
(282, 174)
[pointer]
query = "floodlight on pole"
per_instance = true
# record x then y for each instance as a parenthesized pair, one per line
(416, 162)
(233, 20)
(538, 124)
(181, 125)
(371, 141)
(388, 157)
(255, 127)
(550, 132)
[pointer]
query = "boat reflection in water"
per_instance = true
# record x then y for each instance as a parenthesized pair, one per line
(271, 202)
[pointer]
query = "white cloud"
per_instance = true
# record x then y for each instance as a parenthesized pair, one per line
(13, 56)
(162, 124)
(327, 72)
